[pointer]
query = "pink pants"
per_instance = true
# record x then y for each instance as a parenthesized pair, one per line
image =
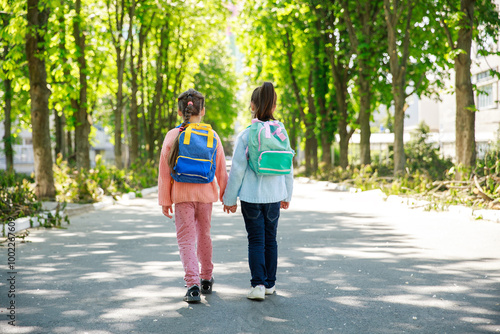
(192, 223)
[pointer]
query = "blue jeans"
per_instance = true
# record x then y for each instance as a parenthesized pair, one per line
(261, 223)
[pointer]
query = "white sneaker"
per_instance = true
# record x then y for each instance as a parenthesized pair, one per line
(270, 291)
(257, 293)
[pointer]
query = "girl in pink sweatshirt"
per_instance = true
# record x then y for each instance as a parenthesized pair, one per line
(193, 201)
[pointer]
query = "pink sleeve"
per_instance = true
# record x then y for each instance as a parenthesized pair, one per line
(164, 178)
(221, 171)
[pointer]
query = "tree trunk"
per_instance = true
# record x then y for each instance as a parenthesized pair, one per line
(39, 93)
(7, 138)
(465, 114)
(126, 153)
(326, 145)
(62, 139)
(311, 141)
(82, 126)
(298, 99)
(58, 122)
(398, 69)
(155, 111)
(69, 145)
(343, 143)
(120, 45)
(339, 64)
(321, 89)
(366, 12)
(119, 109)
(140, 64)
(134, 120)
(314, 153)
(307, 156)
(399, 115)
(8, 94)
(364, 116)
(339, 73)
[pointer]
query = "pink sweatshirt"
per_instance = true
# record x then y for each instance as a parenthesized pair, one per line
(170, 191)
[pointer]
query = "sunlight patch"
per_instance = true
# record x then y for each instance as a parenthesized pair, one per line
(52, 294)
(100, 276)
(271, 319)
(348, 301)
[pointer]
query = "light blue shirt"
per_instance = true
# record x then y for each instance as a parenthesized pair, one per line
(250, 187)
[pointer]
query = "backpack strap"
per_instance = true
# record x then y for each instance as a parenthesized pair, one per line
(210, 139)
(268, 130)
(279, 134)
(267, 126)
(187, 135)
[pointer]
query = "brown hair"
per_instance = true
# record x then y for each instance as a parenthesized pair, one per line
(191, 103)
(264, 98)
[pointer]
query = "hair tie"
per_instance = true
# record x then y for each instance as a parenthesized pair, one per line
(190, 103)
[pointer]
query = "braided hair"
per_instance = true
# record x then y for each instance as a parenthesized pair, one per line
(190, 103)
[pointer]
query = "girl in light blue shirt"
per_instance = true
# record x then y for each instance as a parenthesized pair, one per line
(261, 198)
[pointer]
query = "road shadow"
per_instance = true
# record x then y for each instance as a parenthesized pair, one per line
(117, 270)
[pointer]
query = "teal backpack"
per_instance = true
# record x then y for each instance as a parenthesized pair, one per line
(269, 151)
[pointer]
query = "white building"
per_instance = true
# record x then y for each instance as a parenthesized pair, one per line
(23, 149)
(439, 114)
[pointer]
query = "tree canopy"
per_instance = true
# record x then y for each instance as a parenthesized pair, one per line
(121, 64)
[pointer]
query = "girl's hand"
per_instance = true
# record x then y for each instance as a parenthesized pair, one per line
(230, 209)
(167, 210)
(284, 205)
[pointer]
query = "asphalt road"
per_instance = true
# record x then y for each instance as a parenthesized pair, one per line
(348, 263)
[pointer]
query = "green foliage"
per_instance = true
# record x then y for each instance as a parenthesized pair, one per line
(13, 61)
(490, 163)
(18, 201)
(12, 179)
(217, 80)
(143, 175)
(81, 186)
(422, 156)
(74, 186)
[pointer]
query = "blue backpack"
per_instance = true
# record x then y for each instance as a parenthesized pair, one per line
(197, 155)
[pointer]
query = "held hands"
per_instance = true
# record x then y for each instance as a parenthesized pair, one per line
(167, 210)
(230, 209)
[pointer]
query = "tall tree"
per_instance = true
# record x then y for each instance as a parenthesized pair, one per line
(414, 58)
(59, 117)
(37, 17)
(82, 126)
(321, 91)
(363, 25)
(465, 22)
(135, 65)
(311, 155)
(217, 79)
(465, 121)
(398, 15)
(8, 94)
(339, 53)
(116, 26)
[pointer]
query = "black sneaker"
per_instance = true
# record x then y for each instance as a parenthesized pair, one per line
(206, 286)
(193, 295)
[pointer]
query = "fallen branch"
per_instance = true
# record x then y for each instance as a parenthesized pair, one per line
(479, 191)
